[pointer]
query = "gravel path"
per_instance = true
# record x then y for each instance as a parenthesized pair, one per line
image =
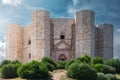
(60, 75)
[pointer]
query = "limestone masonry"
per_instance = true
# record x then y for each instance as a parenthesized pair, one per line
(59, 38)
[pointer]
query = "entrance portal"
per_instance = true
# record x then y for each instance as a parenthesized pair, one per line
(62, 57)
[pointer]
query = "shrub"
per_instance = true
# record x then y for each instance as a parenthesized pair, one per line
(4, 62)
(97, 60)
(98, 67)
(73, 69)
(81, 72)
(108, 69)
(84, 59)
(34, 70)
(101, 76)
(114, 63)
(9, 71)
(15, 62)
(49, 66)
(0, 72)
(61, 64)
(111, 77)
(48, 60)
(69, 63)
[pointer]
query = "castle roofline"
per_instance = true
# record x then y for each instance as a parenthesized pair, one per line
(104, 25)
(85, 10)
(62, 18)
(14, 24)
(40, 10)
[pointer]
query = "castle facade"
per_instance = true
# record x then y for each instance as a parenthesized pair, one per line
(59, 38)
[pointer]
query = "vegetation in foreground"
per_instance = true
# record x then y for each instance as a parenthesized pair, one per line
(82, 68)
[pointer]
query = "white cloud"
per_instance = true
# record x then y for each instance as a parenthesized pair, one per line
(116, 45)
(75, 2)
(76, 6)
(118, 30)
(72, 10)
(2, 48)
(11, 2)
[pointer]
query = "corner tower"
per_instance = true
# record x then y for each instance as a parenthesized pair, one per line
(105, 41)
(40, 38)
(14, 48)
(85, 33)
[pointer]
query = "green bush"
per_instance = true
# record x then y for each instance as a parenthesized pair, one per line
(114, 63)
(111, 77)
(15, 62)
(96, 60)
(69, 63)
(4, 62)
(81, 72)
(0, 72)
(48, 60)
(72, 70)
(34, 70)
(49, 66)
(101, 76)
(60, 64)
(98, 67)
(9, 71)
(108, 69)
(84, 59)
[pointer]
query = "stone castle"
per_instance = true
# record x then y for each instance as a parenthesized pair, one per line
(59, 38)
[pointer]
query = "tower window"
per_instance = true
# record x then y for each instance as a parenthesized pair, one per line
(62, 37)
(29, 55)
(29, 42)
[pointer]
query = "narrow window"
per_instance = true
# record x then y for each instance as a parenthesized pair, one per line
(62, 37)
(29, 55)
(29, 42)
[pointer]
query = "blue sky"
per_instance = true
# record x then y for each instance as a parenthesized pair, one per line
(19, 11)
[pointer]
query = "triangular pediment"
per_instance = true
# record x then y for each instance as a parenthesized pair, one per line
(62, 45)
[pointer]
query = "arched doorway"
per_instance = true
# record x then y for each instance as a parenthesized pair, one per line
(62, 57)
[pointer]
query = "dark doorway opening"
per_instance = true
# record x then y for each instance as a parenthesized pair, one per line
(62, 57)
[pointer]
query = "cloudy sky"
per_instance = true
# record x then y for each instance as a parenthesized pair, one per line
(19, 11)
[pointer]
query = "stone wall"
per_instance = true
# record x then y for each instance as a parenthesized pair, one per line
(62, 26)
(27, 47)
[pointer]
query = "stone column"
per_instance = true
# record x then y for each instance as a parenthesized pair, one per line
(105, 41)
(84, 31)
(41, 34)
(14, 44)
